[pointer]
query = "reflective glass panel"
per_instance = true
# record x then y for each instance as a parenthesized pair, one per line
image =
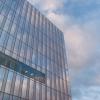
(9, 43)
(48, 93)
(31, 90)
(1, 20)
(2, 71)
(15, 98)
(37, 91)
(43, 92)
(24, 87)
(7, 24)
(9, 81)
(6, 97)
(2, 38)
(17, 84)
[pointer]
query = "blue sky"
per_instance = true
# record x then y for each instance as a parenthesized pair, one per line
(80, 22)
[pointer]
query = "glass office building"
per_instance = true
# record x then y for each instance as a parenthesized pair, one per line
(32, 55)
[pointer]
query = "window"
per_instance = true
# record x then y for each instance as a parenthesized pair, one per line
(24, 36)
(43, 92)
(28, 13)
(21, 68)
(16, 47)
(24, 87)
(14, 4)
(1, 95)
(9, 81)
(11, 14)
(7, 24)
(54, 95)
(1, 5)
(29, 50)
(44, 61)
(2, 72)
(24, 8)
(48, 64)
(1, 19)
(61, 85)
(48, 78)
(57, 87)
(32, 19)
(39, 59)
(5, 9)
(37, 91)
(2, 38)
(6, 96)
(9, 43)
(17, 84)
(22, 50)
(48, 93)
(52, 80)
(13, 28)
(58, 95)
(15, 98)
(31, 90)
(33, 57)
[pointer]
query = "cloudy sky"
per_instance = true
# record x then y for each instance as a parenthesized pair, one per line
(80, 22)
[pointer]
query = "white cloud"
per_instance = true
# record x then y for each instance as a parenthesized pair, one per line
(51, 5)
(34, 1)
(89, 93)
(47, 5)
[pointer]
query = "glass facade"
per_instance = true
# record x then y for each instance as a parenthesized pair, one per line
(32, 55)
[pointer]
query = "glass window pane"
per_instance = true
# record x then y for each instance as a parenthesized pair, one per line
(52, 80)
(2, 71)
(8, 2)
(33, 58)
(19, 33)
(37, 91)
(9, 81)
(48, 93)
(58, 94)
(22, 50)
(53, 95)
(11, 12)
(17, 84)
(43, 92)
(29, 49)
(9, 43)
(16, 46)
(6, 97)
(1, 20)
(7, 24)
(1, 95)
(5, 9)
(31, 90)
(24, 87)
(13, 28)
(1, 5)
(32, 19)
(2, 38)
(14, 4)
(48, 78)
(15, 98)
(24, 36)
